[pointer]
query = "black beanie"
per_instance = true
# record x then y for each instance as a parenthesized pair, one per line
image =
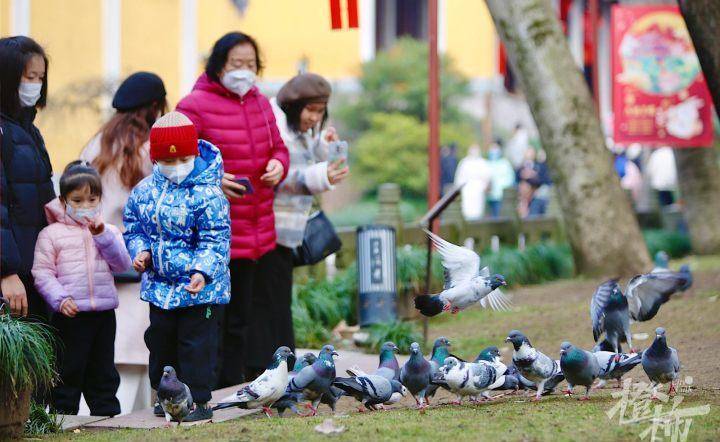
(139, 89)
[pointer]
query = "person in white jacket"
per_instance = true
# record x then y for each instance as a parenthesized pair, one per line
(474, 174)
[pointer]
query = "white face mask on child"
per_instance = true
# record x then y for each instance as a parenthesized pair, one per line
(82, 215)
(178, 172)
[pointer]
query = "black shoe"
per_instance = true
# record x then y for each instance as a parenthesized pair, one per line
(200, 413)
(157, 410)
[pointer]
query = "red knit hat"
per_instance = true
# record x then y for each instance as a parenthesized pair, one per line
(172, 136)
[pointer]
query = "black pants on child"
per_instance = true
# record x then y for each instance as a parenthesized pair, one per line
(86, 357)
(186, 339)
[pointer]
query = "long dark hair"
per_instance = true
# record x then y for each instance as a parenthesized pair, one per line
(294, 109)
(15, 52)
(120, 141)
(218, 57)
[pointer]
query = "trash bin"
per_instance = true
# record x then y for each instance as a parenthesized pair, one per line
(377, 284)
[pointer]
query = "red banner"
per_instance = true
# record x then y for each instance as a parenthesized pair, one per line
(659, 91)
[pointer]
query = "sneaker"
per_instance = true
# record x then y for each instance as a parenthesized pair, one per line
(157, 410)
(200, 413)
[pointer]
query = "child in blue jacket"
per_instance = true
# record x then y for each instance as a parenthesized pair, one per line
(178, 234)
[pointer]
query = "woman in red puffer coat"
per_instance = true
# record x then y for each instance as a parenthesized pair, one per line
(229, 111)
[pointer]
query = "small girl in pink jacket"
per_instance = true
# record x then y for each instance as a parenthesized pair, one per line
(75, 257)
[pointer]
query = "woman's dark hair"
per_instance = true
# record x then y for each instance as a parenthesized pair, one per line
(293, 111)
(77, 175)
(15, 52)
(218, 57)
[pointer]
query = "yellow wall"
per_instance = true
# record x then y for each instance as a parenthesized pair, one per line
(4, 17)
(470, 37)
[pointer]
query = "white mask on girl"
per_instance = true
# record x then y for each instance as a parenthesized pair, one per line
(239, 81)
(29, 93)
(82, 215)
(178, 172)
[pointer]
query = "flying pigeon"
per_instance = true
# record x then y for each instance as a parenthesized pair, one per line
(465, 282)
(534, 365)
(470, 378)
(580, 367)
(415, 375)
(316, 380)
(440, 352)
(291, 400)
(266, 389)
(610, 315)
(660, 362)
(646, 293)
(615, 365)
(371, 390)
(174, 396)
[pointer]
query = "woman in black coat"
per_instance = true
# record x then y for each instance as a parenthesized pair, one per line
(25, 175)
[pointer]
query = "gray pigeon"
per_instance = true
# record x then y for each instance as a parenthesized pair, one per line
(615, 365)
(660, 362)
(266, 389)
(662, 261)
(535, 366)
(415, 375)
(291, 400)
(371, 390)
(440, 352)
(388, 367)
(315, 381)
(579, 367)
(610, 315)
(646, 293)
(466, 283)
(471, 378)
(174, 396)
(514, 381)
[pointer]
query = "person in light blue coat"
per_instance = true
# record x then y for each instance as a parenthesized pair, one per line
(178, 234)
(502, 177)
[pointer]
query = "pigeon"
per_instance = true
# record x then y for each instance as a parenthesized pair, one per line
(371, 390)
(609, 314)
(646, 293)
(580, 367)
(662, 261)
(465, 282)
(470, 378)
(415, 375)
(534, 365)
(660, 362)
(615, 365)
(290, 400)
(388, 367)
(315, 381)
(437, 359)
(266, 389)
(514, 381)
(174, 396)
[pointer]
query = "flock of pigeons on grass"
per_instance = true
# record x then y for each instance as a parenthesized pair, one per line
(313, 381)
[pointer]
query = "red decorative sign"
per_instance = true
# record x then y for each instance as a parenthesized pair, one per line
(336, 13)
(659, 91)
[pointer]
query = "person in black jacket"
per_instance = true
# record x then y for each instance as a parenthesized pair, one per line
(25, 175)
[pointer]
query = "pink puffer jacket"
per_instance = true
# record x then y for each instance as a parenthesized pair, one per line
(72, 263)
(245, 132)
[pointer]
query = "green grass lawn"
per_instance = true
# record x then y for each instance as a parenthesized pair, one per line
(548, 314)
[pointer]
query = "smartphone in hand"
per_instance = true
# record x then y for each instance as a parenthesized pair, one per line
(245, 181)
(338, 150)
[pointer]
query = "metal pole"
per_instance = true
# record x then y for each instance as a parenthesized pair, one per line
(593, 10)
(434, 135)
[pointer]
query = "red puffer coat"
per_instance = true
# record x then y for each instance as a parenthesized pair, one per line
(245, 132)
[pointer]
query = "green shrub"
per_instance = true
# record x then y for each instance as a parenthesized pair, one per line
(41, 422)
(675, 244)
(538, 263)
(401, 333)
(309, 332)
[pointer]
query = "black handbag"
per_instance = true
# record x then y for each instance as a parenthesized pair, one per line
(319, 241)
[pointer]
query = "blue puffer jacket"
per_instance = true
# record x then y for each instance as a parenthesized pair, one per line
(25, 182)
(186, 228)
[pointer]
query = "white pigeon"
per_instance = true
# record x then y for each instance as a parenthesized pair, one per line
(472, 378)
(466, 283)
(266, 389)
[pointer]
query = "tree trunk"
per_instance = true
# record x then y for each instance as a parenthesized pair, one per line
(698, 171)
(601, 227)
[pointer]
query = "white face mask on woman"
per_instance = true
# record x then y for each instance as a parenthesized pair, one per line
(29, 93)
(177, 172)
(239, 81)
